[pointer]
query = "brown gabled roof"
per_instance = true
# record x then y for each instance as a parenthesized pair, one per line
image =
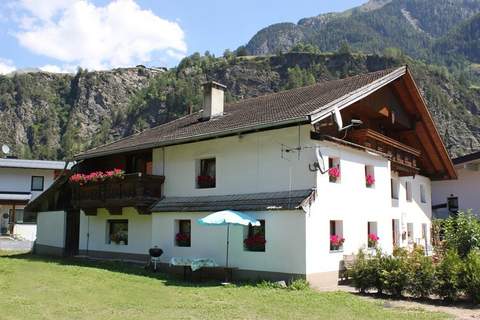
(268, 111)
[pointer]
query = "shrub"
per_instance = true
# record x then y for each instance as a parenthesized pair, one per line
(447, 275)
(421, 274)
(393, 274)
(462, 233)
(365, 272)
(470, 276)
(299, 284)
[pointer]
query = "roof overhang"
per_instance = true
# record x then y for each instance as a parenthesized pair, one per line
(15, 196)
(357, 95)
(213, 135)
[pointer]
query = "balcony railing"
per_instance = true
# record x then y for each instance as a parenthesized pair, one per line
(133, 190)
(404, 158)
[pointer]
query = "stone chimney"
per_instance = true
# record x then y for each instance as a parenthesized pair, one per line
(213, 98)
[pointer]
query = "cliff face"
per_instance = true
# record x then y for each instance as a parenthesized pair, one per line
(53, 116)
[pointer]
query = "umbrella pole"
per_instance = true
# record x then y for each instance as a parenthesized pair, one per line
(228, 241)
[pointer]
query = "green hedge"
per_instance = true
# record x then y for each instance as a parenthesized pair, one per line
(414, 274)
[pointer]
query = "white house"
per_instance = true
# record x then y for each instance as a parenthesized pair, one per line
(451, 196)
(21, 181)
(296, 160)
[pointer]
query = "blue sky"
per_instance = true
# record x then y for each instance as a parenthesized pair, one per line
(59, 35)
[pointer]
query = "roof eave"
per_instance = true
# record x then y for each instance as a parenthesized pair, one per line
(356, 95)
(213, 135)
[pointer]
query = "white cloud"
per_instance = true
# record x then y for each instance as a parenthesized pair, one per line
(6, 66)
(56, 69)
(77, 32)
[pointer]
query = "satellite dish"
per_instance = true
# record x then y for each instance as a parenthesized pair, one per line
(5, 149)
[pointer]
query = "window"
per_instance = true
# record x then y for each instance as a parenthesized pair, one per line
(183, 233)
(372, 234)
(206, 173)
(424, 231)
(117, 232)
(255, 238)
(396, 232)
(370, 176)
(452, 204)
(408, 189)
(394, 185)
(334, 170)
(336, 235)
(22, 216)
(410, 232)
(37, 183)
(423, 196)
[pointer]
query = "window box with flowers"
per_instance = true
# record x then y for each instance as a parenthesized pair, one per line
(97, 176)
(183, 236)
(336, 242)
(255, 240)
(369, 181)
(334, 170)
(372, 240)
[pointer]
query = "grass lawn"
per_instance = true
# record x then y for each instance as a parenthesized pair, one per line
(38, 288)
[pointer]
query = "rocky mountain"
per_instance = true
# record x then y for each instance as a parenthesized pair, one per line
(53, 116)
(417, 27)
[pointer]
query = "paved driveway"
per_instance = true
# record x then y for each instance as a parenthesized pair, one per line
(7, 243)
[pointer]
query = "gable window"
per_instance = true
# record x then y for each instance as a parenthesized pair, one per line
(183, 233)
(408, 189)
(336, 235)
(369, 176)
(372, 234)
(334, 172)
(394, 185)
(423, 196)
(37, 183)
(255, 238)
(117, 232)
(206, 174)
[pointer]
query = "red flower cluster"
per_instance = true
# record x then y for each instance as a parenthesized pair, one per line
(372, 240)
(182, 237)
(336, 241)
(369, 179)
(206, 181)
(255, 240)
(96, 176)
(334, 172)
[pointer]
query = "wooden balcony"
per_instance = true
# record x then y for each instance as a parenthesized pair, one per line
(134, 190)
(403, 158)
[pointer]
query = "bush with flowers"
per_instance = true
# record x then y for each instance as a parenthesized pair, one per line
(336, 242)
(97, 176)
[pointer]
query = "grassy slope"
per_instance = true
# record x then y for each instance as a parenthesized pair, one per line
(35, 288)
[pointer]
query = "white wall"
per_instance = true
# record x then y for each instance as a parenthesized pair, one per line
(465, 188)
(51, 228)
(139, 232)
(353, 203)
(248, 164)
(19, 179)
(26, 231)
(284, 232)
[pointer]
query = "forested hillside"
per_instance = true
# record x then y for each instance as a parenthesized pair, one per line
(53, 116)
(420, 28)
